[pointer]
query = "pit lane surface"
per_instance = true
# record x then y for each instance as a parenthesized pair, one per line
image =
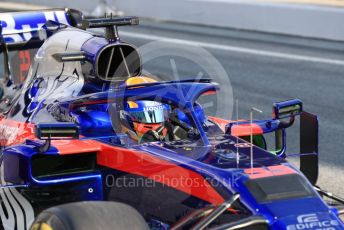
(267, 68)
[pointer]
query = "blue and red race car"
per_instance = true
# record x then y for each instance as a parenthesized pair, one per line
(88, 142)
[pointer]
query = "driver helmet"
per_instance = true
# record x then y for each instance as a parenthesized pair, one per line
(138, 117)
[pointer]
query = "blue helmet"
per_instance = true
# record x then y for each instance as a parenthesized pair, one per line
(145, 112)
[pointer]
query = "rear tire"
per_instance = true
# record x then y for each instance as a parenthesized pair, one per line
(91, 215)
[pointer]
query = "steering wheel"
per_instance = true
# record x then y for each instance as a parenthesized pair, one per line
(191, 131)
(150, 136)
(157, 135)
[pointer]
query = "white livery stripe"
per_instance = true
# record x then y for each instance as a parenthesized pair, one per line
(27, 207)
(19, 210)
(257, 52)
(8, 222)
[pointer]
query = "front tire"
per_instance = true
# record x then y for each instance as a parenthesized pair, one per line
(91, 215)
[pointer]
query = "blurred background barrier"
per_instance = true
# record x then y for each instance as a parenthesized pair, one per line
(307, 18)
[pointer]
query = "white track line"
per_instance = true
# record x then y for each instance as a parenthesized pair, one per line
(237, 49)
(11, 6)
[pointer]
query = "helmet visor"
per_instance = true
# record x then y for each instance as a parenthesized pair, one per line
(149, 112)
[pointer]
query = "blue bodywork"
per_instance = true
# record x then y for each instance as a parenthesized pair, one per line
(217, 157)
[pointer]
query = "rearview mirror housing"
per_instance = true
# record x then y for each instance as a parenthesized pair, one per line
(285, 109)
(56, 131)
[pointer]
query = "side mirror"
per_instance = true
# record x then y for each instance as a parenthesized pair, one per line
(285, 109)
(57, 131)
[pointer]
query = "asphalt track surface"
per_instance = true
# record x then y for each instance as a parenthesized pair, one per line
(264, 69)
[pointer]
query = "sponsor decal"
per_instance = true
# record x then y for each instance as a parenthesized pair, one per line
(20, 27)
(8, 133)
(25, 62)
(20, 64)
(242, 145)
(312, 221)
(154, 108)
(270, 171)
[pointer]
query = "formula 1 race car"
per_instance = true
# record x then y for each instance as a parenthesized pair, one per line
(89, 142)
